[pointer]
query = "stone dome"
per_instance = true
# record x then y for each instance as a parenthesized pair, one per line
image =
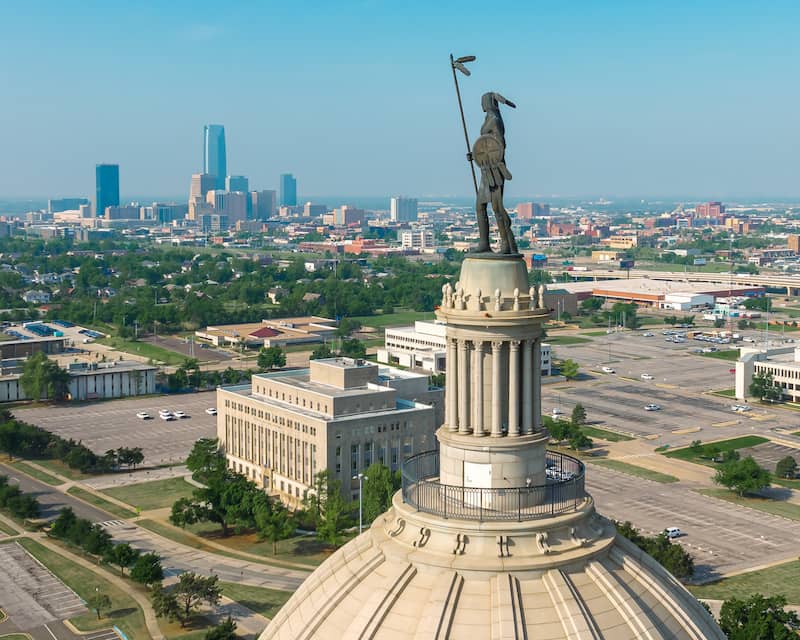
(568, 577)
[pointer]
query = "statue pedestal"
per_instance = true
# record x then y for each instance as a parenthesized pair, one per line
(491, 271)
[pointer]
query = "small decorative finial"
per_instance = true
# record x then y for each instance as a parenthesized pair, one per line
(497, 302)
(541, 296)
(532, 294)
(516, 299)
(479, 299)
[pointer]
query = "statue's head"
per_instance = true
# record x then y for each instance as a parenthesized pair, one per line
(491, 101)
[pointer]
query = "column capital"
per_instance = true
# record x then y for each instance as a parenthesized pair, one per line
(515, 344)
(497, 345)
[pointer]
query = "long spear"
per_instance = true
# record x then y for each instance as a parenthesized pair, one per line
(458, 63)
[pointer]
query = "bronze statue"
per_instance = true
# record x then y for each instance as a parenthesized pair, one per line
(489, 153)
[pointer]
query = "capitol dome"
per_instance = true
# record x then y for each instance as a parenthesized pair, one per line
(492, 537)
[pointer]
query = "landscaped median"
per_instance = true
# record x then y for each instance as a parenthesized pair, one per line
(781, 579)
(101, 503)
(633, 470)
(155, 494)
(780, 508)
(267, 602)
(705, 453)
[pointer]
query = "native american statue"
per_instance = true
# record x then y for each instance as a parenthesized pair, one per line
(489, 152)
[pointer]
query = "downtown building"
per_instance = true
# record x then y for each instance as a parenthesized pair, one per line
(215, 161)
(402, 209)
(288, 190)
(106, 188)
(339, 414)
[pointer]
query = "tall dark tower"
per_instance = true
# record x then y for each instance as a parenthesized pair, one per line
(214, 156)
(107, 188)
(288, 190)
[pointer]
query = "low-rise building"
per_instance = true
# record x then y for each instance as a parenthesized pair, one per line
(270, 333)
(783, 363)
(423, 347)
(339, 414)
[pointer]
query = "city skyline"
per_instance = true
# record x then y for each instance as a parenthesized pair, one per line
(618, 101)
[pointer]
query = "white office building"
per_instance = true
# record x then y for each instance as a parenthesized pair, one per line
(782, 362)
(423, 347)
(419, 239)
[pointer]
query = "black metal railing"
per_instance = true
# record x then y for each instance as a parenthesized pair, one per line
(562, 492)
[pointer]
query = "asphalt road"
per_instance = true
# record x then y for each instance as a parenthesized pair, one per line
(50, 499)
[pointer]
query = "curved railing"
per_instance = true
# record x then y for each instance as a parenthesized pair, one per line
(564, 491)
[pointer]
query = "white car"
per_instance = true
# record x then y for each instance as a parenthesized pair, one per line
(212, 411)
(652, 407)
(607, 370)
(647, 335)
(143, 415)
(179, 414)
(166, 416)
(673, 532)
(740, 408)
(557, 412)
(646, 376)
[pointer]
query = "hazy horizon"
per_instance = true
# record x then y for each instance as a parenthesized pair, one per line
(613, 98)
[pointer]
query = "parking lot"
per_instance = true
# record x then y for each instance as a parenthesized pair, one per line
(113, 424)
(721, 536)
(30, 594)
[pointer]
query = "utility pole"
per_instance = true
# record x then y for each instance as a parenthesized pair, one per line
(360, 477)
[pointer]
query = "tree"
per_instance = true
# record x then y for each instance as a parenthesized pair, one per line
(98, 602)
(569, 369)
(353, 348)
(225, 630)
(191, 590)
(165, 605)
(719, 323)
(122, 555)
(763, 386)
(578, 414)
(205, 459)
(671, 556)
(321, 352)
(147, 569)
(270, 358)
(273, 522)
(378, 490)
(227, 499)
(758, 618)
(43, 378)
(327, 507)
(742, 476)
(743, 324)
(786, 467)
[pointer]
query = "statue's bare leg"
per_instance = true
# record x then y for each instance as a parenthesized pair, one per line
(507, 244)
(483, 227)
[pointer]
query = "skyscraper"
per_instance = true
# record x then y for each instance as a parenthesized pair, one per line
(262, 204)
(214, 158)
(403, 209)
(107, 188)
(288, 190)
(237, 183)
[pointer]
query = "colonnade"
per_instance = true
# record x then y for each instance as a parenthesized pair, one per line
(516, 371)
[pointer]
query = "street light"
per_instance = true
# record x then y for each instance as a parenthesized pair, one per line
(360, 477)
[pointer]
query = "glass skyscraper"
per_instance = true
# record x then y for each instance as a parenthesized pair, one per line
(106, 188)
(214, 159)
(288, 190)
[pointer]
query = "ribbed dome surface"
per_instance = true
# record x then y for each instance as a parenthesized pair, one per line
(569, 587)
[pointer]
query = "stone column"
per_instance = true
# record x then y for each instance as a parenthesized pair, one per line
(451, 384)
(537, 384)
(513, 388)
(497, 392)
(477, 389)
(527, 386)
(463, 387)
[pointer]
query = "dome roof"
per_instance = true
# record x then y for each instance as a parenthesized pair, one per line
(414, 575)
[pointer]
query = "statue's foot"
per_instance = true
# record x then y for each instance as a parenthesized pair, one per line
(483, 248)
(505, 249)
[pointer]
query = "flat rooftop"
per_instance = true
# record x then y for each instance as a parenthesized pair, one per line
(648, 287)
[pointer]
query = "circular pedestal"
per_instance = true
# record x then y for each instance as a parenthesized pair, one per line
(490, 271)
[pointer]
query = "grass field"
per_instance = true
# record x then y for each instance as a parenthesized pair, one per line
(35, 473)
(594, 334)
(725, 393)
(605, 434)
(633, 470)
(566, 340)
(394, 319)
(125, 611)
(267, 602)
(58, 466)
(782, 579)
(775, 507)
(702, 454)
(15, 636)
(101, 503)
(7, 529)
(300, 549)
(152, 495)
(726, 354)
(145, 349)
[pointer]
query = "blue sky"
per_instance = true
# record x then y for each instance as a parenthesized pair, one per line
(614, 98)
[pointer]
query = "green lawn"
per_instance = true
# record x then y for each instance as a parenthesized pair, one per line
(725, 393)
(7, 529)
(152, 495)
(35, 473)
(59, 467)
(125, 611)
(15, 636)
(775, 507)
(566, 340)
(101, 503)
(605, 434)
(631, 469)
(781, 579)
(726, 354)
(701, 455)
(398, 318)
(594, 334)
(145, 349)
(267, 602)
(300, 549)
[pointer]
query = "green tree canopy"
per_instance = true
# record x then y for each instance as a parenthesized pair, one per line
(43, 378)
(786, 467)
(569, 369)
(379, 487)
(743, 476)
(271, 358)
(758, 618)
(147, 569)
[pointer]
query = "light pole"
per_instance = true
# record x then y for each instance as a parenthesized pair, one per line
(360, 477)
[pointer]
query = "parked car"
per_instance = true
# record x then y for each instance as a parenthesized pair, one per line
(557, 412)
(179, 414)
(143, 415)
(673, 532)
(652, 407)
(741, 408)
(647, 335)
(166, 416)
(646, 376)
(212, 411)
(607, 370)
